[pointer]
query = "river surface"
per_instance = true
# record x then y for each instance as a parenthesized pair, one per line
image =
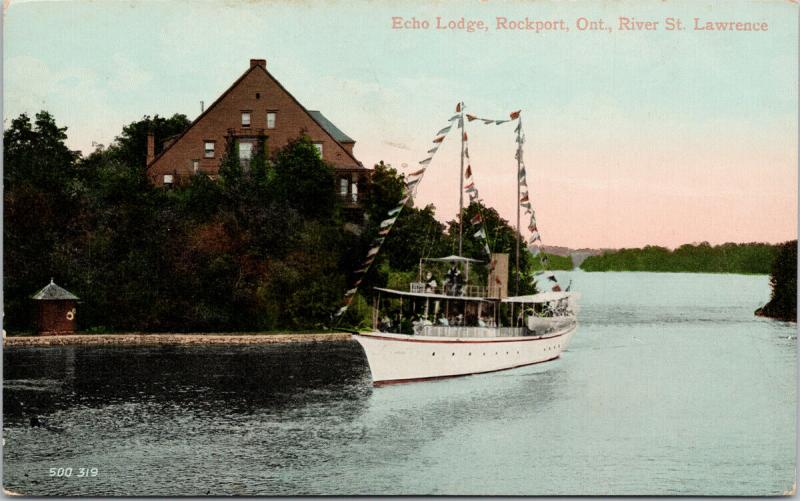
(670, 386)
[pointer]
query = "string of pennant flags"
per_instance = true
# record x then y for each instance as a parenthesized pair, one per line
(534, 241)
(472, 192)
(414, 179)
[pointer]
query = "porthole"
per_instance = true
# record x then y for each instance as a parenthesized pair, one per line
(433, 354)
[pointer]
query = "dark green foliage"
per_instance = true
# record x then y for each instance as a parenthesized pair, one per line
(502, 238)
(255, 250)
(752, 258)
(783, 280)
(130, 147)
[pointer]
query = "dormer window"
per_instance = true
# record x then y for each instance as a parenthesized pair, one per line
(245, 119)
(209, 149)
(271, 120)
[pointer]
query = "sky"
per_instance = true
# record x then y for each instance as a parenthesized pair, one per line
(633, 138)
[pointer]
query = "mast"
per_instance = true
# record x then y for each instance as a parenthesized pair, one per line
(519, 170)
(461, 183)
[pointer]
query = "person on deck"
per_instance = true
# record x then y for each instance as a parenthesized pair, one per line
(430, 283)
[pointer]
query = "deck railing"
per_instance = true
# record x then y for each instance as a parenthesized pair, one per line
(463, 290)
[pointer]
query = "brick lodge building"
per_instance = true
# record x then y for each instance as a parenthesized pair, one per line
(255, 112)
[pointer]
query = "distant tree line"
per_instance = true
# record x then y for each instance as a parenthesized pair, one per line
(263, 247)
(783, 280)
(749, 258)
(555, 262)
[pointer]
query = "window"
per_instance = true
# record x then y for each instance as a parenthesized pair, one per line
(245, 119)
(343, 182)
(270, 120)
(167, 179)
(245, 151)
(195, 166)
(319, 148)
(354, 192)
(209, 149)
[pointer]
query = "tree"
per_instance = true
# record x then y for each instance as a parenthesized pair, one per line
(783, 280)
(130, 147)
(40, 201)
(304, 181)
(501, 238)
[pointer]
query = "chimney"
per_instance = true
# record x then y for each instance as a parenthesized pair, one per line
(151, 148)
(258, 62)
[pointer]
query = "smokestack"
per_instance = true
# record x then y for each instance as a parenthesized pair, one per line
(258, 62)
(151, 147)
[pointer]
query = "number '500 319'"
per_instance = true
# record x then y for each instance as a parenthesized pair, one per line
(68, 472)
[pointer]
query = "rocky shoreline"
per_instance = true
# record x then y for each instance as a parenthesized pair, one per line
(171, 339)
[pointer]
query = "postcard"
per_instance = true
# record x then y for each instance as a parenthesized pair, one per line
(434, 248)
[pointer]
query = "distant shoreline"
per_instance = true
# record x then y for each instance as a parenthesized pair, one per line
(171, 339)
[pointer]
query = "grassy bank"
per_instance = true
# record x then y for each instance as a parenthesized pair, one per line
(172, 339)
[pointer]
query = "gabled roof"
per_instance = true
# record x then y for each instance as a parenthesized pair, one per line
(280, 85)
(53, 292)
(331, 129)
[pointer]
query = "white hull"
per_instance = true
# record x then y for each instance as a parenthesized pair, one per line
(398, 358)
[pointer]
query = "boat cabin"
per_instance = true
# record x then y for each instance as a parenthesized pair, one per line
(443, 302)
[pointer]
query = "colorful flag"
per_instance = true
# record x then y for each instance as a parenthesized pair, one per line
(518, 127)
(465, 135)
(396, 210)
(351, 291)
(458, 107)
(439, 139)
(341, 311)
(417, 172)
(373, 251)
(434, 149)
(454, 117)
(556, 288)
(468, 172)
(471, 117)
(498, 122)
(487, 122)
(534, 236)
(388, 222)
(514, 115)
(411, 183)
(477, 219)
(444, 131)
(470, 186)
(480, 234)
(524, 197)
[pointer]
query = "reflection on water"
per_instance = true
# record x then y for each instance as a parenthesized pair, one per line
(671, 385)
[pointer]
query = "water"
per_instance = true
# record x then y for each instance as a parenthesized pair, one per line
(670, 386)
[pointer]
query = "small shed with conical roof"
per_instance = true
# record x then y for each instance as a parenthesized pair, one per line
(57, 309)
